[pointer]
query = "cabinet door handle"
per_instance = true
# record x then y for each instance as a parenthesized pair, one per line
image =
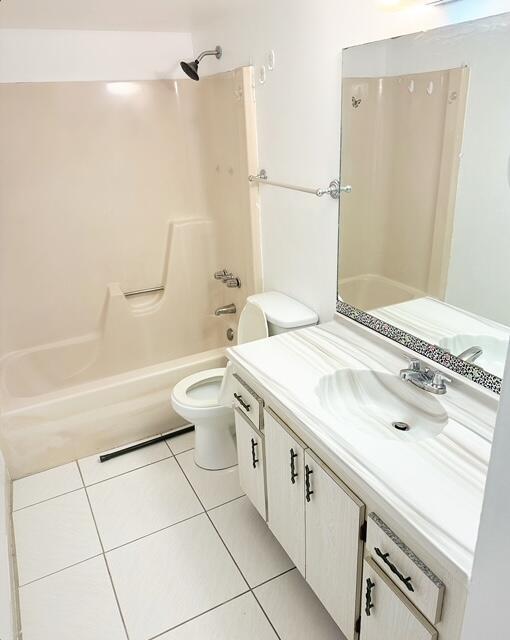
(308, 473)
(293, 472)
(254, 458)
(241, 401)
(384, 557)
(368, 597)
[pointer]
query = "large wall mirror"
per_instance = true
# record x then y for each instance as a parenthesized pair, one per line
(424, 243)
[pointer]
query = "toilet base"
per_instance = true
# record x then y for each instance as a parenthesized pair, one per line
(215, 443)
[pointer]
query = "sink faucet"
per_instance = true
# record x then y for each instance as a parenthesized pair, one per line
(227, 309)
(424, 378)
(471, 354)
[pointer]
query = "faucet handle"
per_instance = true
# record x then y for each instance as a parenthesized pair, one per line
(439, 381)
(414, 364)
(221, 275)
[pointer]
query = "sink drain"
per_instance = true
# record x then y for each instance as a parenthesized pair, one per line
(401, 426)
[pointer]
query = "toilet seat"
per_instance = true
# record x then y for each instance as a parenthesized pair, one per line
(200, 390)
(204, 399)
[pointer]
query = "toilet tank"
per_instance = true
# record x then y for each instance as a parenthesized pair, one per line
(283, 313)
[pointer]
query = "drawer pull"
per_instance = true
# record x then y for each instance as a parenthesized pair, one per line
(384, 557)
(243, 404)
(309, 491)
(293, 472)
(368, 597)
(254, 458)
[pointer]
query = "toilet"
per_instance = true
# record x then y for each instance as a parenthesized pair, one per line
(203, 398)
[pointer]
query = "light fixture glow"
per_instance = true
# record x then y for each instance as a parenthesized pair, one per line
(122, 88)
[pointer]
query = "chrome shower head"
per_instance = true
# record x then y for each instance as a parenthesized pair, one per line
(191, 68)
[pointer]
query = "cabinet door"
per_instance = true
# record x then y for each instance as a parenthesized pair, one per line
(334, 551)
(387, 614)
(250, 455)
(285, 482)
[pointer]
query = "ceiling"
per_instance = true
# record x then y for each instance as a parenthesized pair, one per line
(129, 15)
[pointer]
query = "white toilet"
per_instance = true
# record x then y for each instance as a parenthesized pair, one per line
(203, 398)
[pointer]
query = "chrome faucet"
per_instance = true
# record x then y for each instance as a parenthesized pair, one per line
(227, 309)
(471, 354)
(228, 278)
(425, 378)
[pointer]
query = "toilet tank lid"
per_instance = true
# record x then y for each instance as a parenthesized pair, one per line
(283, 311)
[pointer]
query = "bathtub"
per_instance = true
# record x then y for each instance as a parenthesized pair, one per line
(45, 424)
(370, 291)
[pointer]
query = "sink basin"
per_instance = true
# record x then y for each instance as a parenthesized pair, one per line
(374, 402)
(493, 357)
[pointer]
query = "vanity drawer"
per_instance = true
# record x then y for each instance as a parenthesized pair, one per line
(248, 402)
(412, 576)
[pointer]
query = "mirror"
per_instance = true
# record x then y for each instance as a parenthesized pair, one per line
(425, 234)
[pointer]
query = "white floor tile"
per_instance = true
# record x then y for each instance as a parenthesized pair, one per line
(53, 535)
(77, 603)
(248, 538)
(239, 619)
(142, 502)
(182, 443)
(295, 611)
(213, 487)
(94, 471)
(45, 485)
(171, 576)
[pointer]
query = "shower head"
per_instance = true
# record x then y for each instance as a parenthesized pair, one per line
(191, 68)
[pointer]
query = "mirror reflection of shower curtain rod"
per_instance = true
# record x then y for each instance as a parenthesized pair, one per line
(334, 189)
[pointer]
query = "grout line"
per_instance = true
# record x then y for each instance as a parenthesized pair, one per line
(124, 473)
(265, 614)
(251, 590)
(152, 533)
(34, 504)
(278, 575)
(224, 503)
(199, 615)
(105, 560)
(54, 573)
(212, 523)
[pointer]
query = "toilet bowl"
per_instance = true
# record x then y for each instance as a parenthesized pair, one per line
(203, 398)
(197, 399)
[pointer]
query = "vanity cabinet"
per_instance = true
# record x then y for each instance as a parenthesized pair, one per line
(387, 614)
(334, 517)
(317, 520)
(285, 463)
(251, 458)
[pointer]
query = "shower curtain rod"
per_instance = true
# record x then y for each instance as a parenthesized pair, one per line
(334, 189)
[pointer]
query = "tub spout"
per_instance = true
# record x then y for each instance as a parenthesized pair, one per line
(222, 311)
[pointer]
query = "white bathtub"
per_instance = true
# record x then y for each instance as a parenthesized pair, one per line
(43, 430)
(370, 291)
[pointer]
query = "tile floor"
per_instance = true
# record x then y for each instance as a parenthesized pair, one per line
(147, 546)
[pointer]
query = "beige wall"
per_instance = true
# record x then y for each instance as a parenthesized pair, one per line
(91, 177)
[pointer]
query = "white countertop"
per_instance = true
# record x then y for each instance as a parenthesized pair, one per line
(436, 321)
(436, 484)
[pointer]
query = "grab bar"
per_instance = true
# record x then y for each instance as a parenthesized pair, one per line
(334, 189)
(128, 294)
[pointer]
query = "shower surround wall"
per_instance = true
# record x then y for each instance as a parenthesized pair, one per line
(106, 188)
(401, 141)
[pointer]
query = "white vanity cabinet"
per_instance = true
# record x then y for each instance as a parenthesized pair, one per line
(387, 614)
(251, 458)
(334, 517)
(285, 465)
(317, 520)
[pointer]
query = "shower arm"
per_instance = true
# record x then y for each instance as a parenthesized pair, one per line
(211, 52)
